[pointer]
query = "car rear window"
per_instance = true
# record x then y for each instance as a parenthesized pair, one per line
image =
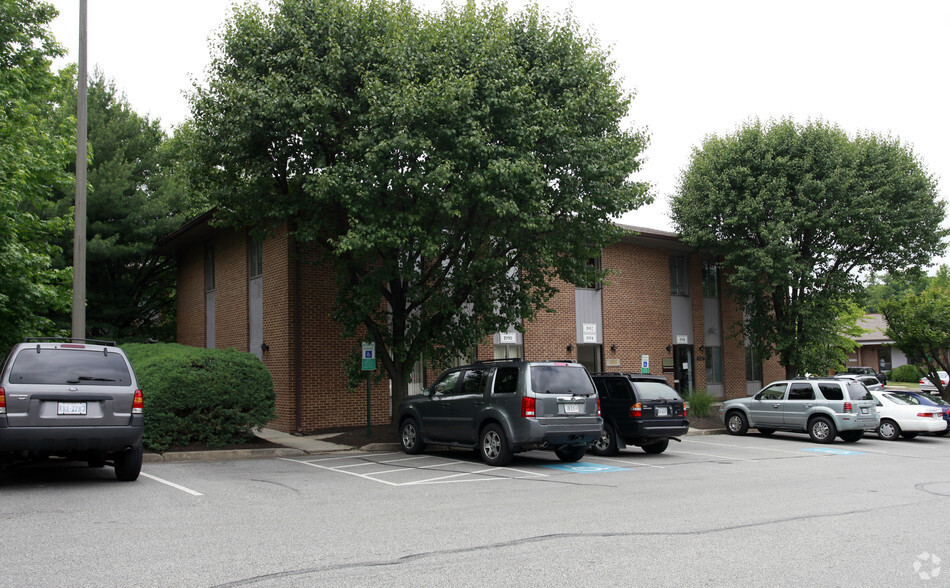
(73, 366)
(656, 391)
(935, 399)
(857, 391)
(560, 379)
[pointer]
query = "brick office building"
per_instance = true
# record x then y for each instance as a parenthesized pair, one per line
(662, 309)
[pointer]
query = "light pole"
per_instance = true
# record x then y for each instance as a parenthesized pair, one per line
(79, 234)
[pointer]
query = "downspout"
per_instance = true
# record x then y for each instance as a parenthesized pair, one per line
(298, 351)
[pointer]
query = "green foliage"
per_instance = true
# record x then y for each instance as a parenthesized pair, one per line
(35, 148)
(904, 373)
(211, 397)
(450, 165)
(919, 324)
(134, 198)
(889, 285)
(797, 213)
(700, 403)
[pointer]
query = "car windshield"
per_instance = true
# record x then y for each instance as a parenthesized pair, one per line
(72, 366)
(656, 391)
(560, 379)
(857, 391)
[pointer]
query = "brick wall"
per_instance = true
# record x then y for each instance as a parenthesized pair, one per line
(190, 297)
(548, 336)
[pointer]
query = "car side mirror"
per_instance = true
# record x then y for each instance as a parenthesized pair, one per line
(758, 396)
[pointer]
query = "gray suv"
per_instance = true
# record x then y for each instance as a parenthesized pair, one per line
(505, 407)
(75, 399)
(822, 407)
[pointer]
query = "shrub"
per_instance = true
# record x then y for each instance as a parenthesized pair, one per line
(699, 403)
(211, 397)
(905, 373)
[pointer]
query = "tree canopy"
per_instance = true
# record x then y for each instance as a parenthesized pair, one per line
(797, 212)
(36, 145)
(451, 165)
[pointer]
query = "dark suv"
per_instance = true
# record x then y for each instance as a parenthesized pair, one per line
(75, 399)
(638, 409)
(505, 407)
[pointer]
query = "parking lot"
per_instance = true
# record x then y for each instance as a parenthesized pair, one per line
(776, 511)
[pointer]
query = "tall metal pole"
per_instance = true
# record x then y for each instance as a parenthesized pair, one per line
(79, 235)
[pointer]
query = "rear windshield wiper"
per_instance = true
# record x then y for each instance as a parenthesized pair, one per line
(92, 379)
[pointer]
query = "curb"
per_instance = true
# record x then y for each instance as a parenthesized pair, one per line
(222, 455)
(705, 432)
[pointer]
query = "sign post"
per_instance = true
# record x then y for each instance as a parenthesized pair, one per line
(369, 365)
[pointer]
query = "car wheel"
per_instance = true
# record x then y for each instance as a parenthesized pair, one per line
(607, 444)
(765, 432)
(570, 453)
(851, 436)
(493, 446)
(410, 439)
(658, 447)
(736, 423)
(888, 430)
(128, 464)
(908, 435)
(822, 430)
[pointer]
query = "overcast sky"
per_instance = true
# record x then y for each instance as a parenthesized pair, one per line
(697, 67)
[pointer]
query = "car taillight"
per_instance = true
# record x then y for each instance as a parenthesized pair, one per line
(3, 401)
(928, 415)
(527, 406)
(598, 406)
(138, 402)
(636, 410)
(848, 407)
(684, 411)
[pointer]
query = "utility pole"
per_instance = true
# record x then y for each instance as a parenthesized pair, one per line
(79, 234)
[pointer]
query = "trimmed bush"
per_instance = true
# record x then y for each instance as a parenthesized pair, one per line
(699, 403)
(211, 397)
(904, 373)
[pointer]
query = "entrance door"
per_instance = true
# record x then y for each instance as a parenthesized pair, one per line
(683, 369)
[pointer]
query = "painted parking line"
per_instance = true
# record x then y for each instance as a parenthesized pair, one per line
(172, 484)
(736, 446)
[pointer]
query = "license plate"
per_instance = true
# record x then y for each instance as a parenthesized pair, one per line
(663, 411)
(864, 410)
(572, 408)
(71, 408)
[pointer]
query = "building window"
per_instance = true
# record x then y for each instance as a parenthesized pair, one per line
(679, 276)
(508, 352)
(597, 263)
(255, 257)
(753, 366)
(710, 279)
(713, 365)
(209, 268)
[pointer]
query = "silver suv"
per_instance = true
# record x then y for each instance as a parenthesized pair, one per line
(822, 407)
(75, 399)
(504, 407)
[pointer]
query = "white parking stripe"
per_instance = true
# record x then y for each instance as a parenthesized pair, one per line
(744, 447)
(172, 484)
(445, 479)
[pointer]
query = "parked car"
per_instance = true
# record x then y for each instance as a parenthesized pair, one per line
(71, 398)
(638, 409)
(505, 407)
(927, 399)
(822, 407)
(868, 371)
(927, 386)
(870, 382)
(903, 418)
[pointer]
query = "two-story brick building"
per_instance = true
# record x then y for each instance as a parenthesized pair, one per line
(663, 309)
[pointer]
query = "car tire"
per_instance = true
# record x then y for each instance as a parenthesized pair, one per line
(607, 444)
(765, 432)
(908, 435)
(410, 438)
(736, 423)
(128, 464)
(570, 453)
(493, 446)
(851, 436)
(822, 430)
(656, 448)
(888, 430)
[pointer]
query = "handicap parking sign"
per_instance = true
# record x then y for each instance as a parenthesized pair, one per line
(585, 468)
(833, 451)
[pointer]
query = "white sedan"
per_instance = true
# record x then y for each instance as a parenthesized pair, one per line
(927, 386)
(900, 418)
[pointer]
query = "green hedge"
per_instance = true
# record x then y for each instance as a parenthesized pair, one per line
(904, 373)
(212, 397)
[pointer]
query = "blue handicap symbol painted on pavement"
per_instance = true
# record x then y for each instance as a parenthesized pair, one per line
(585, 468)
(833, 451)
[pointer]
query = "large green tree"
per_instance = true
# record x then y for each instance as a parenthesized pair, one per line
(451, 165)
(134, 199)
(35, 148)
(919, 324)
(797, 212)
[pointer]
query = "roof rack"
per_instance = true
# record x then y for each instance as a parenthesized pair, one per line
(67, 340)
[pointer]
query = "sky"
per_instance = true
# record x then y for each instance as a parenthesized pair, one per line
(697, 68)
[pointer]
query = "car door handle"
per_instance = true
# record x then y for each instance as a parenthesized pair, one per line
(479, 404)
(776, 405)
